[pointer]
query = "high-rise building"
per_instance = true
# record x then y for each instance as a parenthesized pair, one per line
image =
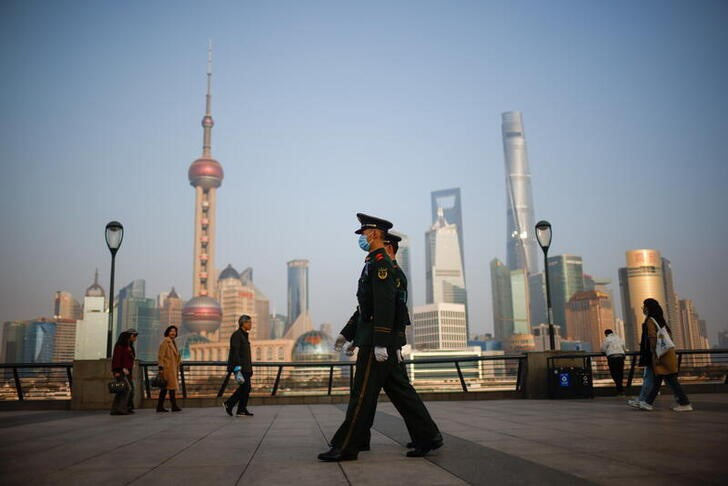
(297, 289)
(640, 279)
(693, 333)
(542, 338)
(235, 300)
(449, 201)
(135, 289)
(95, 290)
(443, 265)
(202, 314)
(64, 340)
(262, 305)
(90, 342)
(500, 285)
(672, 309)
(566, 277)
(521, 245)
(403, 260)
(588, 314)
(170, 310)
(12, 346)
(537, 298)
(38, 342)
(519, 299)
(65, 306)
(440, 326)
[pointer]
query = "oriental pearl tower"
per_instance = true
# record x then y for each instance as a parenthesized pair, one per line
(202, 314)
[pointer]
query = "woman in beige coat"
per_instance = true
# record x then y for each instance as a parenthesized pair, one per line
(168, 362)
(664, 367)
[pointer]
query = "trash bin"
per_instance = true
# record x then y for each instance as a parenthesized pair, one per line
(570, 380)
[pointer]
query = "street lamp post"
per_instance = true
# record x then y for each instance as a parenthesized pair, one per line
(114, 235)
(543, 234)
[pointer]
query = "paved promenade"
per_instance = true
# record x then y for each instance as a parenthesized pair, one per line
(497, 442)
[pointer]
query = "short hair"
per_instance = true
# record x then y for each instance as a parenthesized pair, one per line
(243, 319)
(607, 332)
(166, 331)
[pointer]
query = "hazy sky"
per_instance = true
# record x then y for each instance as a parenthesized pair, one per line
(325, 109)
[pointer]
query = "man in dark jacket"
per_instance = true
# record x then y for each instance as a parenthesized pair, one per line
(239, 361)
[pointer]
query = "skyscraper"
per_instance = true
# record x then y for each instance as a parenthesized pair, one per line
(202, 314)
(235, 300)
(297, 289)
(170, 311)
(521, 245)
(38, 343)
(519, 299)
(672, 309)
(537, 297)
(449, 201)
(65, 306)
(443, 264)
(640, 279)
(500, 285)
(588, 314)
(440, 326)
(566, 277)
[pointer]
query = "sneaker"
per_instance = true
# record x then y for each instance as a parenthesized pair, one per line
(683, 408)
(633, 402)
(645, 406)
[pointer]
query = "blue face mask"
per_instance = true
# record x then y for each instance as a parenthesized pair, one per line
(363, 243)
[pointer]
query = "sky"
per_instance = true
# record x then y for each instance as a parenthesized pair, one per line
(326, 109)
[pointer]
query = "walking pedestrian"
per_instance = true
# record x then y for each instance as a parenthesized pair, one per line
(613, 347)
(240, 363)
(168, 362)
(378, 362)
(663, 367)
(122, 364)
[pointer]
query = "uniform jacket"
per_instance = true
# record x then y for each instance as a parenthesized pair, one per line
(123, 357)
(168, 358)
(239, 354)
(667, 364)
(613, 345)
(372, 324)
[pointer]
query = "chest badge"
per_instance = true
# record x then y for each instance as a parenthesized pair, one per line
(382, 273)
(397, 282)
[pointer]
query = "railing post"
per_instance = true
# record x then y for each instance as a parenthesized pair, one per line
(460, 374)
(70, 376)
(351, 377)
(147, 388)
(518, 374)
(17, 383)
(278, 380)
(184, 386)
(224, 385)
(331, 378)
(679, 361)
(631, 372)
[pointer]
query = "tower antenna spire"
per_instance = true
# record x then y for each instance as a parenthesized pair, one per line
(207, 122)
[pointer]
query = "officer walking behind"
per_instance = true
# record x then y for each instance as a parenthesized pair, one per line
(377, 362)
(239, 360)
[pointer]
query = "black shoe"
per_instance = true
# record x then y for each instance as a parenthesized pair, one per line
(228, 410)
(436, 443)
(119, 413)
(162, 410)
(336, 455)
(131, 410)
(421, 451)
(410, 445)
(365, 448)
(245, 412)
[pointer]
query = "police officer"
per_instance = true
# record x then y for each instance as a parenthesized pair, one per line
(377, 361)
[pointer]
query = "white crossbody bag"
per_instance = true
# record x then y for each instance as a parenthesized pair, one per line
(664, 342)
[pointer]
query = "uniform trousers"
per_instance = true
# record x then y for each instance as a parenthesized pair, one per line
(370, 377)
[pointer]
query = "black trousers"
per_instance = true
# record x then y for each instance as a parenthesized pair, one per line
(616, 369)
(240, 396)
(369, 379)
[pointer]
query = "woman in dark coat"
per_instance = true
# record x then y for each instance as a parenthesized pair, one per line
(122, 364)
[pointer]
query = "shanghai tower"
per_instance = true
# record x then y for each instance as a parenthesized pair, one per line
(521, 245)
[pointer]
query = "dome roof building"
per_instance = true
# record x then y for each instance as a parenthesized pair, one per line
(95, 290)
(314, 346)
(229, 272)
(201, 314)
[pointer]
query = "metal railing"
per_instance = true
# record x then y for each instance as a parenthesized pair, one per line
(703, 366)
(36, 381)
(207, 379)
(53, 381)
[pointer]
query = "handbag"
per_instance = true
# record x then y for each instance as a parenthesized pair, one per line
(158, 381)
(664, 342)
(118, 386)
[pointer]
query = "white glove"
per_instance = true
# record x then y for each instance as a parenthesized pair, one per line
(399, 356)
(380, 353)
(339, 343)
(349, 349)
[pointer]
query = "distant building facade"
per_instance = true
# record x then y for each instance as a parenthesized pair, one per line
(65, 306)
(566, 277)
(298, 298)
(440, 326)
(588, 314)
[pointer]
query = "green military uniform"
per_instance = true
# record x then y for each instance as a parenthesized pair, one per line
(375, 324)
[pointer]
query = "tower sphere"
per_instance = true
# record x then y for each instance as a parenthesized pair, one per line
(201, 314)
(205, 172)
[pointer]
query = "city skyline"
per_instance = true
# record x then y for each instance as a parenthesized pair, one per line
(312, 102)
